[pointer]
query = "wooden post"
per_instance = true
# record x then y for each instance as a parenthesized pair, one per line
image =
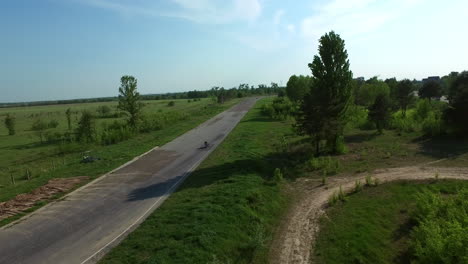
(28, 174)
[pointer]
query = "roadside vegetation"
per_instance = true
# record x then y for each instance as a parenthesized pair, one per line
(400, 222)
(345, 126)
(40, 143)
(226, 211)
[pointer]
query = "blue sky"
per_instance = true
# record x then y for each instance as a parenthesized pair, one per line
(63, 49)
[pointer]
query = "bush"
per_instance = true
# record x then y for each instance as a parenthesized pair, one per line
(277, 175)
(115, 133)
(423, 109)
(442, 225)
(432, 125)
(357, 116)
(52, 137)
(171, 103)
(86, 132)
(53, 124)
(39, 127)
(403, 123)
(103, 110)
(280, 109)
(10, 124)
(326, 165)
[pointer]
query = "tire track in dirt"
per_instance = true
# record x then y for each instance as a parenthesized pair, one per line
(294, 241)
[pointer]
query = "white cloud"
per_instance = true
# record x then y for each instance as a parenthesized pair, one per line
(353, 17)
(277, 17)
(201, 11)
(216, 11)
(291, 28)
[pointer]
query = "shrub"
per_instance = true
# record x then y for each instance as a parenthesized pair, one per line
(171, 103)
(115, 133)
(10, 124)
(327, 165)
(103, 110)
(442, 225)
(423, 109)
(53, 137)
(280, 109)
(86, 132)
(277, 175)
(357, 116)
(39, 127)
(432, 125)
(53, 124)
(403, 123)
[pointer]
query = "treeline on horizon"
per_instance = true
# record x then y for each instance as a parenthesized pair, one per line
(235, 92)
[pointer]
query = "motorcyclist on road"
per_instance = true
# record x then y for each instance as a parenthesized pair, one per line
(206, 144)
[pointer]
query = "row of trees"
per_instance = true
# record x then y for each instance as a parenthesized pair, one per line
(324, 98)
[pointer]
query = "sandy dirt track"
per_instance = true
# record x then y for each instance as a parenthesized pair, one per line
(294, 241)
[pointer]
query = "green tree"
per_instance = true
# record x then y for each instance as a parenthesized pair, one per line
(369, 91)
(103, 110)
(10, 124)
(379, 112)
(39, 127)
(297, 87)
(85, 132)
(323, 111)
(447, 82)
(430, 89)
(404, 94)
(129, 100)
(68, 114)
(457, 113)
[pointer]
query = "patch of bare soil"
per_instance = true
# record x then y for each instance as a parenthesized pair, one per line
(294, 241)
(25, 201)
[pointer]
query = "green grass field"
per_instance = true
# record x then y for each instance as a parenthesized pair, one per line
(224, 212)
(24, 150)
(373, 226)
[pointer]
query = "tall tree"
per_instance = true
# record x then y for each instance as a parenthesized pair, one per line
(430, 89)
(457, 113)
(86, 131)
(39, 127)
(10, 124)
(323, 111)
(129, 99)
(379, 111)
(297, 87)
(68, 114)
(369, 91)
(404, 94)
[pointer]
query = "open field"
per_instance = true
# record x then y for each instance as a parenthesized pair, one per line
(373, 226)
(224, 212)
(24, 151)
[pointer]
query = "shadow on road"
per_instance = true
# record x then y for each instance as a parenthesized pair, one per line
(263, 166)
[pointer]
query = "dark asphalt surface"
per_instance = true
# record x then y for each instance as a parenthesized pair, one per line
(82, 227)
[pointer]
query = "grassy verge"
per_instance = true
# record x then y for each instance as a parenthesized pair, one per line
(366, 151)
(224, 212)
(373, 226)
(110, 156)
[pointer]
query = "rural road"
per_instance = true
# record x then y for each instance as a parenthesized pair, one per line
(83, 226)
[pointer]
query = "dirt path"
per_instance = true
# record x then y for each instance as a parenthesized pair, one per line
(294, 241)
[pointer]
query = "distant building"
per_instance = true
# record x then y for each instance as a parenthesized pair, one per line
(431, 78)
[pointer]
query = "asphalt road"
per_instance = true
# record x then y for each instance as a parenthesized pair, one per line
(82, 227)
